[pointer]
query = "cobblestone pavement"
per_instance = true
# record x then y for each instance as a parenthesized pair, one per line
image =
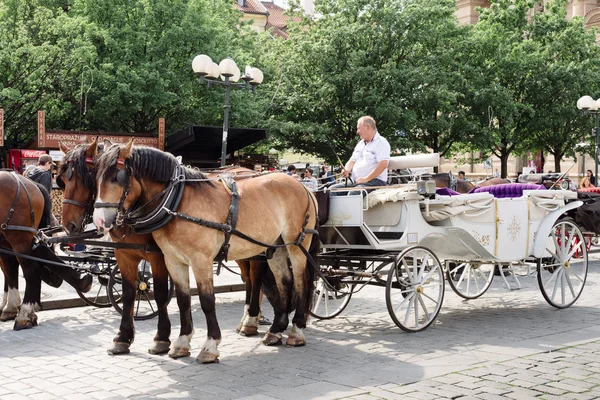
(504, 345)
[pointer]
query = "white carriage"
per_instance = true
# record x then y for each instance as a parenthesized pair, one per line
(411, 243)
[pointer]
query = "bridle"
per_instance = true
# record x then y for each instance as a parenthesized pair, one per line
(89, 206)
(165, 201)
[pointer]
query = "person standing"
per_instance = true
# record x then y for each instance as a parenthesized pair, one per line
(369, 161)
(591, 177)
(496, 174)
(325, 176)
(309, 180)
(41, 174)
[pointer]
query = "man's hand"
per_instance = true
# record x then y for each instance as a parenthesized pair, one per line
(360, 180)
(345, 173)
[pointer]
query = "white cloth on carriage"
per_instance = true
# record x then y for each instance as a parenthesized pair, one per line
(391, 194)
(448, 206)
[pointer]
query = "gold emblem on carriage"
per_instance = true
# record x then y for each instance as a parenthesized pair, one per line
(483, 239)
(514, 229)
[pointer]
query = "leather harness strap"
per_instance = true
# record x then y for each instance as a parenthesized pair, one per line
(232, 216)
(5, 225)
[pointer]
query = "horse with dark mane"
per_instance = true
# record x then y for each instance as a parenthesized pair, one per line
(196, 226)
(21, 212)
(77, 177)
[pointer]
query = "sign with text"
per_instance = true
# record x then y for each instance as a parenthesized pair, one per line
(1, 127)
(50, 138)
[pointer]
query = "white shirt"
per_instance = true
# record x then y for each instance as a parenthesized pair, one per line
(311, 183)
(366, 156)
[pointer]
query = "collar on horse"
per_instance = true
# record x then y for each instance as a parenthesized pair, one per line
(5, 226)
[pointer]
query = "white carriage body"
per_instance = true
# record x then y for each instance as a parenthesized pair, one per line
(476, 227)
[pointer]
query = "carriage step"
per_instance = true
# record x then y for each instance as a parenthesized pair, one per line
(345, 272)
(388, 235)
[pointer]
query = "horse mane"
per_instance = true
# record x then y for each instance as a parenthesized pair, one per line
(147, 162)
(78, 156)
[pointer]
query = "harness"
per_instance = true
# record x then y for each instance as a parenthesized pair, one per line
(5, 226)
(90, 204)
(166, 208)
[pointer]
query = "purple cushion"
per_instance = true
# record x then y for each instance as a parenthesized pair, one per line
(446, 192)
(508, 190)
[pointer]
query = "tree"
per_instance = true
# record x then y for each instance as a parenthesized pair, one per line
(386, 58)
(42, 52)
(571, 57)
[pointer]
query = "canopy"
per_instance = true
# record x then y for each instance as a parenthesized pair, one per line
(201, 145)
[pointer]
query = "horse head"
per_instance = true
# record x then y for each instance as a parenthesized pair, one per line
(130, 180)
(76, 177)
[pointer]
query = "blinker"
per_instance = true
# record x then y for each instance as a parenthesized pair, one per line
(122, 177)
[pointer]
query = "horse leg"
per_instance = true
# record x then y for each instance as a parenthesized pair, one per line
(26, 318)
(180, 274)
(128, 266)
(245, 272)
(303, 289)
(276, 286)
(250, 325)
(11, 299)
(203, 272)
(161, 295)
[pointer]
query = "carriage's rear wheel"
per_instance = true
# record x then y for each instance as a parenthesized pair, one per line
(330, 302)
(562, 270)
(415, 289)
(144, 305)
(470, 280)
(97, 296)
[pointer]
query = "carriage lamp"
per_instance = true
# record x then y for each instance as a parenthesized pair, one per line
(589, 106)
(209, 73)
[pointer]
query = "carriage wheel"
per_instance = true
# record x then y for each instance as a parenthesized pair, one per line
(415, 289)
(562, 270)
(144, 305)
(470, 280)
(329, 303)
(98, 294)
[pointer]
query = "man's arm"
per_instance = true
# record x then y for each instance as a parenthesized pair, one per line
(348, 168)
(381, 166)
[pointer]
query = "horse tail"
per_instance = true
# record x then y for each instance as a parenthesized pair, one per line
(312, 262)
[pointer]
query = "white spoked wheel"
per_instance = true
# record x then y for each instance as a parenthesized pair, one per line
(415, 289)
(562, 270)
(330, 302)
(470, 280)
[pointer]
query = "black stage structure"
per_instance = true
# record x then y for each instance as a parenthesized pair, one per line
(200, 146)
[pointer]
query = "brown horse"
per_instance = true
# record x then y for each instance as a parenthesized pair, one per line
(21, 209)
(492, 182)
(447, 180)
(275, 211)
(77, 178)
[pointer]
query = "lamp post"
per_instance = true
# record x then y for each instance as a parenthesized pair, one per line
(590, 106)
(229, 72)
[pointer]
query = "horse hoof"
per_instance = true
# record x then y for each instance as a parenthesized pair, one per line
(85, 283)
(119, 348)
(178, 352)
(24, 324)
(161, 347)
(207, 358)
(8, 315)
(271, 339)
(249, 330)
(295, 341)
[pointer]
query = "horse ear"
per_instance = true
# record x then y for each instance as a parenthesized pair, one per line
(126, 151)
(63, 147)
(92, 149)
(107, 143)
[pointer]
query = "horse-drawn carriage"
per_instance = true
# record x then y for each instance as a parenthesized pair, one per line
(411, 241)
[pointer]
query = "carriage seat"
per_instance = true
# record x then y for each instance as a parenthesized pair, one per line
(508, 190)
(391, 194)
(447, 206)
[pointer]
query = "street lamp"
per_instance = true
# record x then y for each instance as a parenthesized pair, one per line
(229, 72)
(590, 106)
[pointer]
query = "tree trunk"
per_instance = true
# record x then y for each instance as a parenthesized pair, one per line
(557, 158)
(504, 164)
